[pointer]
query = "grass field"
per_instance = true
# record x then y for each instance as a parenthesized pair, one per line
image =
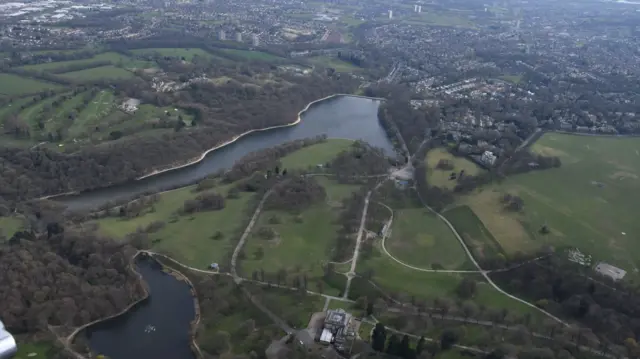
(17, 85)
(320, 153)
(98, 73)
(14, 106)
(252, 55)
(112, 57)
(100, 106)
(473, 232)
(10, 225)
(33, 350)
(62, 112)
(421, 239)
(512, 78)
(186, 53)
(187, 238)
(440, 178)
(589, 202)
(332, 62)
(298, 247)
(32, 113)
(336, 192)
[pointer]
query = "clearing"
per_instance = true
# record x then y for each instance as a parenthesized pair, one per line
(17, 85)
(421, 239)
(252, 55)
(188, 238)
(440, 178)
(589, 202)
(318, 154)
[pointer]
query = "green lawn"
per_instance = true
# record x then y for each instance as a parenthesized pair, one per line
(336, 192)
(99, 107)
(188, 238)
(589, 202)
(112, 57)
(33, 350)
(10, 225)
(252, 55)
(186, 53)
(440, 178)
(421, 239)
(318, 154)
(473, 232)
(333, 62)
(294, 308)
(17, 85)
(512, 78)
(13, 107)
(32, 113)
(98, 73)
(62, 112)
(298, 247)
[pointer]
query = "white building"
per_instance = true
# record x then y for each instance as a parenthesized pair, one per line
(256, 40)
(610, 271)
(390, 14)
(238, 36)
(488, 158)
(222, 35)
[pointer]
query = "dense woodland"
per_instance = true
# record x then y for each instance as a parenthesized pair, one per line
(64, 279)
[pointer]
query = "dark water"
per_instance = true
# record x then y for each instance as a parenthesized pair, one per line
(340, 117)
(169, 309)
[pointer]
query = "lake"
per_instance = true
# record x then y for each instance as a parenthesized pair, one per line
(338, 117)
(157, 328)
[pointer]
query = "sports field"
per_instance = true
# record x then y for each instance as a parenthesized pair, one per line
(112, 57)
(421, 239)
(318, 154)
(188, 238)
(252, 55)
(11, 84)
(186, 54)
(335, 63)
(590, 202)
(98, 73)
(440, 178)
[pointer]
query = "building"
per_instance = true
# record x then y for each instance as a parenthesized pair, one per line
(8, 346)
(419, 8)
(390, 14)
(222, 35)
(488, 158)
(130, 106)
(256, 40)
(337, 329)
(238, 36)
(610, 271)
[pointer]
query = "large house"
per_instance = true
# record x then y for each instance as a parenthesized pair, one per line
(337, 329)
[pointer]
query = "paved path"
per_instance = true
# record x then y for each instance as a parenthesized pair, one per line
(356, 251)
(245, 234)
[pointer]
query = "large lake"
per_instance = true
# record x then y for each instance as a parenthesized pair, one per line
(338, 117)
(157, 328)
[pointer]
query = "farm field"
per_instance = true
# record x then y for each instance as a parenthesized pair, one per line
(318, 154)
(421, 239)
(440, 178)
(97, 73)
(17, 85)
(335, 63)
(252, 55)
(473, 232)
(588, 203)
(188, 238)
(112, 57)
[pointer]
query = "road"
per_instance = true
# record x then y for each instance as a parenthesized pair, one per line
(356, 251)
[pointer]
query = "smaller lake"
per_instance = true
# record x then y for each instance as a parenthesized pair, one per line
(157, 328)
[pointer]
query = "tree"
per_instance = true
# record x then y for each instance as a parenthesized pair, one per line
(467, 288)
(378, 337)
(448, 339)
(469, 309)
(405, 350)
(420, 345)
(393, 347)
(369, 311)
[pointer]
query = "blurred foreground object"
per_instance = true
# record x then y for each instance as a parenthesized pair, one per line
(8, 347)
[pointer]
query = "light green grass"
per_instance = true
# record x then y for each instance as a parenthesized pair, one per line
(26, 350)
(336, 192)
(252, 55)
(421, 239)
(188, 238)
(440, 178)
(17, 85)
(13, 107)
(298, 247)
(335, 63)
(512, 78)
(10, 225)
(32, 113)
(186, 53)
(62, 112)
(568, 200)
(318, 154)
(98, 73)
(473, 232)
(99, 107)
(112, 57)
